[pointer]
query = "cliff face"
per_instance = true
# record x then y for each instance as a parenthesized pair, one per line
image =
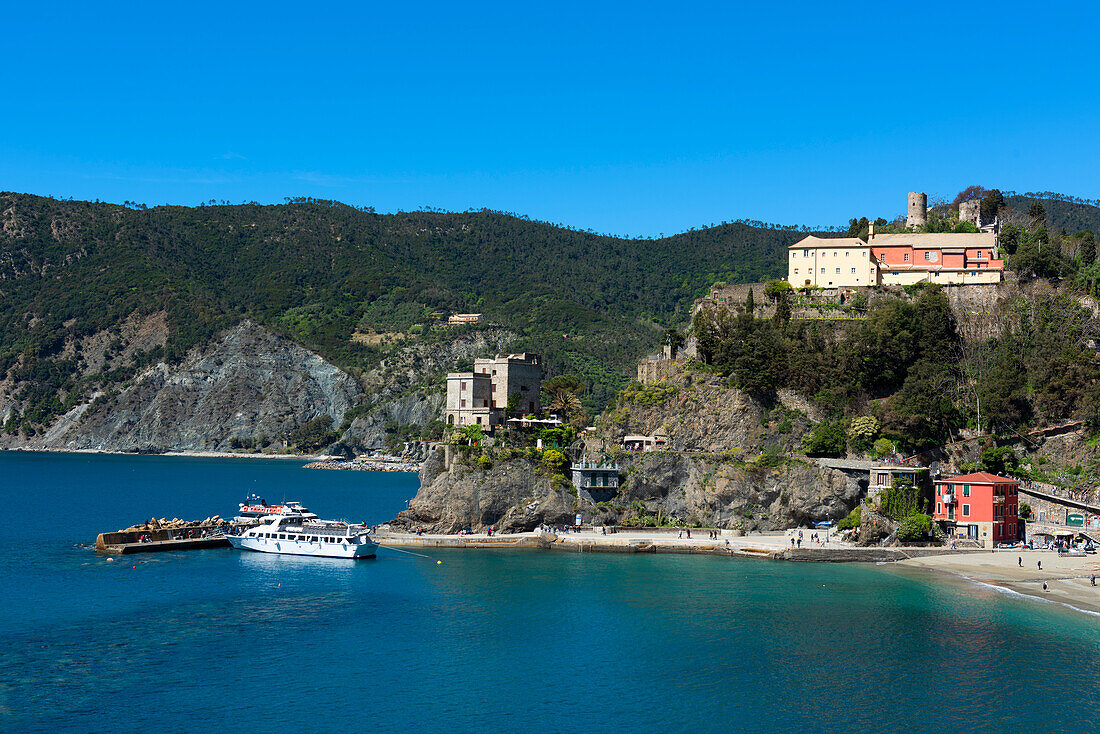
(247, 384)
(512, 496)
(517, 495)
(407, 387)
(700, 414)
(741, 495)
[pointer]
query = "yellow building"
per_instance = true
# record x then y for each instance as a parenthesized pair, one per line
(841, 262)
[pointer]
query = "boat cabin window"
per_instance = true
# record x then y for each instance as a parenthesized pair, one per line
(282, 536)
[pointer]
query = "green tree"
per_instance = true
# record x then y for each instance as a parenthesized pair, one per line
(826, 439)
(991, 204)
(999, 460)
(553, 459)
(1086, 248)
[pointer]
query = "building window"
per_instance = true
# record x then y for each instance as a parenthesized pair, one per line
(796, 271)
(493, 388)
(927, 256)
(838, 270)
(845, 253)
(853, 270)
(463, 404)
(938, 508)
(794, 254)
(905, 257)
(823, 270)
(966, 510)
(805, 253)
(966, 490)
(882, 258)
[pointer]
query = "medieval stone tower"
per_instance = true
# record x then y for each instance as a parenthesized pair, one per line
(918, 210)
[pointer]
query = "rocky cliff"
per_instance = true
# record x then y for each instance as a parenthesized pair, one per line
(246, 384)
(730, 462)
(512, 496)
(518, 494)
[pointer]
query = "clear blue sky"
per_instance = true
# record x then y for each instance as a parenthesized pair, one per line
(630, 118)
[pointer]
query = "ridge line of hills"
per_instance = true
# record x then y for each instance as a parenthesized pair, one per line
(92, 294)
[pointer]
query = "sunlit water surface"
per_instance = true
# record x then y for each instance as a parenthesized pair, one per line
(487, 640)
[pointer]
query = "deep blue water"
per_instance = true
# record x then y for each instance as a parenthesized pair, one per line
(487, 640)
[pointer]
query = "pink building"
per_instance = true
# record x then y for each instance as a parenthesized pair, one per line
(982, 506)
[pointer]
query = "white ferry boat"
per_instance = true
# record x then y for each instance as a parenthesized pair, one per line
(255, 507)
(304, 535)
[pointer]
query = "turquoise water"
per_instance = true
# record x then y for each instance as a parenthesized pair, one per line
(498, 641)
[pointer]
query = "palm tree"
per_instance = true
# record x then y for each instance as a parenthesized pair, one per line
(565, 402)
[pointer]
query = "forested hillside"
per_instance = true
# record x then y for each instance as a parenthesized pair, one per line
(320, 271)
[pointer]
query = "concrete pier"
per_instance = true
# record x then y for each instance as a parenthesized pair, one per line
(166, 539)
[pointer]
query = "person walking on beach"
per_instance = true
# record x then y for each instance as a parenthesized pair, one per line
(1045, 586)
(1092, 579)
(1040, 564)
(1020, 561)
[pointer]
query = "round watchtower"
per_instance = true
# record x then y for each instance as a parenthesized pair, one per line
(918, 210)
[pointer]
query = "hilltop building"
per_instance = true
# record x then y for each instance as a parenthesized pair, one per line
(461, 319)
(982, 507)
(469, 400)
(481, 397)
(896, 259)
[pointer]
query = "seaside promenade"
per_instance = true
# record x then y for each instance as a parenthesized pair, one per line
(776, 545)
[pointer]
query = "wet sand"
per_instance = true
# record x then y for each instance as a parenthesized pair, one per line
(1067, 577)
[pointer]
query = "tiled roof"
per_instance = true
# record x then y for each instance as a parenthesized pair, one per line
(982, 477)
(811, 241)
(945, 239)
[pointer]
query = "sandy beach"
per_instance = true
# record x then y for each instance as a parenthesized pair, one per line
(1067, 577)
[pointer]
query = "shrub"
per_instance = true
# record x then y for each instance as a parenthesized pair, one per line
(314, 434)
(851, 521)
(484, 462)
(915, 527)
(553, 460)
(827, 439)
(861, 430)
(884, 447)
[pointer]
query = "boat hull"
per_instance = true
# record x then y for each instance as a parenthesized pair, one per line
(315, 549)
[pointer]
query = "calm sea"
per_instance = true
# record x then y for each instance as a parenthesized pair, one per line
(485, 641)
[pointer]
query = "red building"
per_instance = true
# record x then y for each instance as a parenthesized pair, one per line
(982, 507)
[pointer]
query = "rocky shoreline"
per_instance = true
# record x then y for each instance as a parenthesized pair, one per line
(366, 463)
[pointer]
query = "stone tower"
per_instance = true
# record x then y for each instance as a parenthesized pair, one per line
(918, 210)
(971, 211)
